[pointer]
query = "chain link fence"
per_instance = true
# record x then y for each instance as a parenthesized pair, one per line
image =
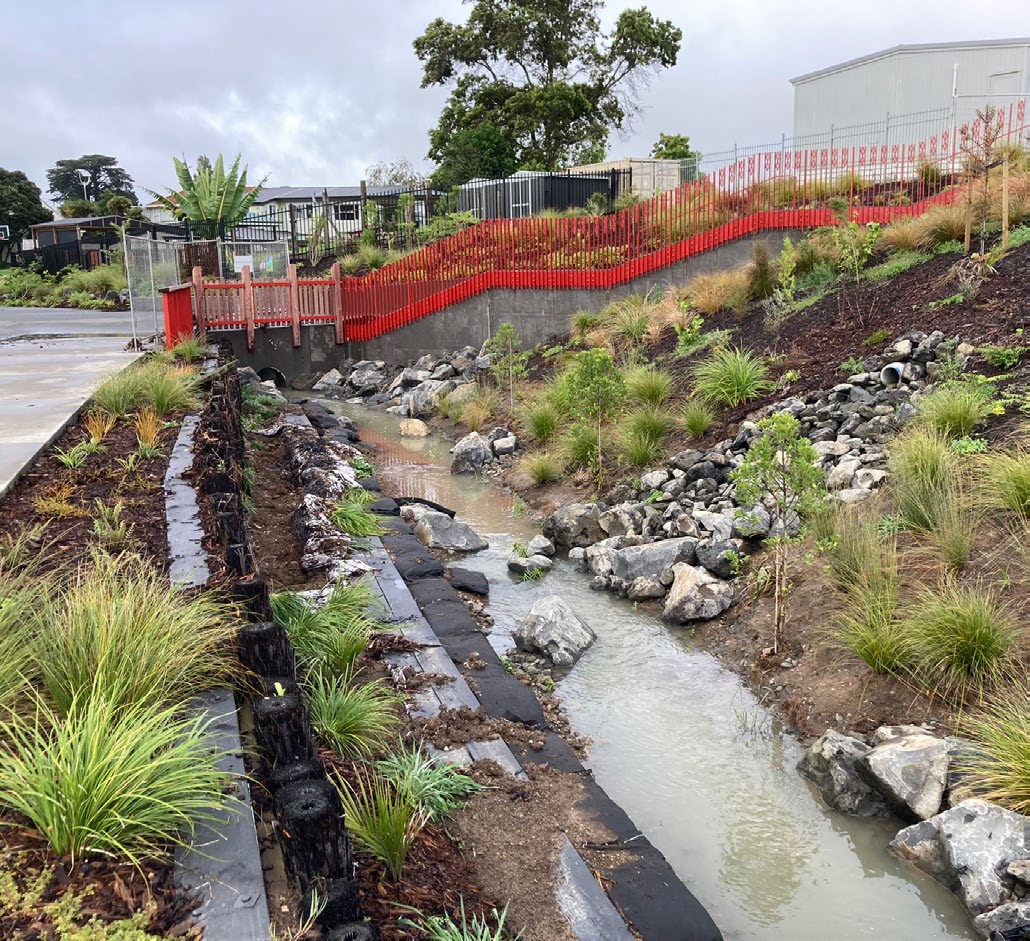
(268, 261)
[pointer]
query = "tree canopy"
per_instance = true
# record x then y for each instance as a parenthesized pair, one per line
(674, 147)
(106, 179)
(544, 74)
(481, 151)
(398, 173)
(20, 207)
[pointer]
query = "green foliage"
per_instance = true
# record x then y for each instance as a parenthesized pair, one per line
(508, 360)
(943, 225)
(580, 446)
(542, 468)
(923, 470)
(895, 265)
(210, 197)
(966, 446)
(442, 227)
(998, 769)
(597, 389)
(354, 721)
(852, 365)
(855, 244)
(542, 421)
(951, 247)
(1019, 236)
(435, 787)
(963, 636)
(697, 418)
(955, 522)
(674, 147)
(689, 338)
(119, 393)
(108, 779)
(762, 279)
(583, 321)
(476, 928)
(639, 450)
(649, 385)
(877, 337)
(106, 178)
(731, 377)
(543, 73)
(1002, 357)
(480, 151)
(111, 530)
(955, 409)
(1004, 478)
(353, 517)
(21, 206)
(381, 819)
(816, 278)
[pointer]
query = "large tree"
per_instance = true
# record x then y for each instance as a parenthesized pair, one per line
(481, 151)
(106, 178)
(544, 73)
(674, 147)
(399, 173)
(20, 207)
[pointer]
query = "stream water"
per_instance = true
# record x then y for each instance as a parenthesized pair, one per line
(700, 766)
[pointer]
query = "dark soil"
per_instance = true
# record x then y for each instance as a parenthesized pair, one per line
(72, 494)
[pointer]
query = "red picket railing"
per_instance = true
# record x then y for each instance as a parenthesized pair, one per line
(783, 189)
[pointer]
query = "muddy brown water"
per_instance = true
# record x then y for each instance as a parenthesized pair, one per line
(698, 764)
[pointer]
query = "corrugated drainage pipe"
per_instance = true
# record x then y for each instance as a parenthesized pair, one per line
(890, 375)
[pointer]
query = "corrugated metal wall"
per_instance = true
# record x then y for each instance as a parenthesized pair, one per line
(912, 81)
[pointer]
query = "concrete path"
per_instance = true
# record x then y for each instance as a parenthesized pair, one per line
(64, 322)
(44, 384)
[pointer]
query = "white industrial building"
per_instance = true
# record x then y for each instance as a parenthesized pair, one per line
(918, 87)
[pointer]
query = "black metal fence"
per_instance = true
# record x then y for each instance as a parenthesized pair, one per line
(530, 193)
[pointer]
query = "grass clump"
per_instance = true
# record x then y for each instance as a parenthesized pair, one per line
(643, 430)
(110, 779)
(119, 393)
(437, 788)
(189, 349)
(901, 236)
(542, 468)
(542, 421)
(955, 409)
(731, 377)
(962, 635)
(381, 819)
(1004, 478)
(167, 389)
(895, 265)
(649, 385)
(479, 409)
(999, 770)
(351, 513)
(580, 446)
(474, 928)
(355, 721)
(941, 225)
(923, 470)
(710, 293)
(697, 418)
(583, 322)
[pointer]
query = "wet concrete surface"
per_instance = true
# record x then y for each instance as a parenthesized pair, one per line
(68, 322)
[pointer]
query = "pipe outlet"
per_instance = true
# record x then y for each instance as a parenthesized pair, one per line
(891, 374)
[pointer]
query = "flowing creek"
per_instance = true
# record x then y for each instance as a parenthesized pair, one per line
(698, 764)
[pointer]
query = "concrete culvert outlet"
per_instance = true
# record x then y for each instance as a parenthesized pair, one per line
(270, 372)
(890, 375)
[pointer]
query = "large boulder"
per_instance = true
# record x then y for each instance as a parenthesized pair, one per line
(329, 382)
(470, 454)
(976, 842)
(574, 525)
(830, 763)
(365, 379)
(911, 771)
(439, 531)
(553, 629)
(598, 557)
(721, 557)
(633, 562)
(623, 519)
(462, 394)
(414, 428)
(1011, 920)
(696, 595)
(528, 566)
(541, 545)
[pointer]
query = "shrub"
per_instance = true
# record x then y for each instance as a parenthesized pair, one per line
(352, 516)
(381, 819)
(1005, 479)
(1002, 357)
(542, 421)
(923, 468)
(118, 780)
(437, 788)
(731, 377)
(697, 418)
(963, 637)
(999, 770)
(542, 468)
(649, 385)
(354, 721)
(118, 627)
(901, 236)
(942, 224)
(955, 409)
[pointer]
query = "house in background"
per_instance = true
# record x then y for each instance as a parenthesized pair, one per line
(908, 93)
(85, 241)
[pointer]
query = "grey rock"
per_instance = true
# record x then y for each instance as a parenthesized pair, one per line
(653, 481)
(600, 582)
(751, 523)
(503, 446)
(843, 474)
(411, 377)
(685, 459)
(578, 557)
(443, 371)
(1020, 870)
(910, 771)
(853, 495)
(868, 478)
(439, 531)
(830, 764)
(645, 588)
(831, 448)
(623, 519)
(920, 845)
(1011, 920)
(719, 556)
(599, 556)
(887, 732)
(528, 565)
(636, 561)
(574, 525)
(247, 376)
(470, 454)
(695, 595)
(719, 525)
(554, 630)
(462, 394)
(541, 545)
(329, 381)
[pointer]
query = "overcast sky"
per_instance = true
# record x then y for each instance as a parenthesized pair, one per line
(313, 92)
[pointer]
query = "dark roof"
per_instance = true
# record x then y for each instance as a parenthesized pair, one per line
(917, 47)
(99, 222)
(307, 193)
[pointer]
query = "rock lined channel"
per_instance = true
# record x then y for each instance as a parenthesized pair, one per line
(684, 749)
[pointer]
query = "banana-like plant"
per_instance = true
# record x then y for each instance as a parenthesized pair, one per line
(210, 196)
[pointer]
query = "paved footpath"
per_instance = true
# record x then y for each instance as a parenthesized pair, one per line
(50, 360)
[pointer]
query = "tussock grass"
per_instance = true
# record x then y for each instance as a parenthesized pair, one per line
(955, 524)
(579, 446)
(583, 322)
(923, 470)
(104, 778)
(465, 928)
(697, 418)
(381, 819)
(941, 224)
(649, 385)
(1004, 479)
(479, 409)
(437, 788)
(117, 627)
(167, 390)
(731, 377)
(901, 236)
(955, 409)
(542, 421)
(355, 721)
(710, 293)
(963, 637)
(119, 393)
(542, 468)
(999, 771)
(189, 349)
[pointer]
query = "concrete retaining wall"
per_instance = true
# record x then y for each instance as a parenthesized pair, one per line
(537, 314)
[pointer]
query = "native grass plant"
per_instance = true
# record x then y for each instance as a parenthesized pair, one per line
(382, 819)
(118, 394)
(189, 349)
(583, 322)
(643, 431)
(20, 595)
(476, 411)
(942, 225)
(963, 637)
(148, 428)
(1004, 479)
(899, 262)
(542, 468)
(163, 386)
(110, 529)
(437, 788)
(999, 769)
(731, 377)
(333, 634)
(626, 323)
(108, 777)
(354, 720)
(98, 425)
(579, 446)
(542, 420)
(649, 385)
(780, 471)
(956, 522)
(923, 470)
(955, 409)
(118, 628)
(710, 293)
(467, 928)
(351, 513)
(901, 235)
(697, 418)
(55, 502)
